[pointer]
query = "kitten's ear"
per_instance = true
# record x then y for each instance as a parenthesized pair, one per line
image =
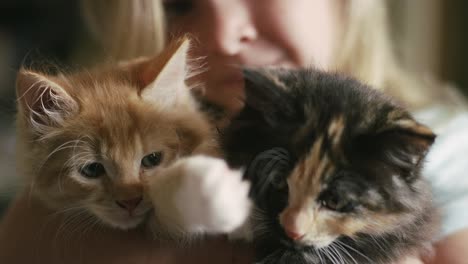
(43, 101)
(163, 77)
(266, 94)
(403, 142)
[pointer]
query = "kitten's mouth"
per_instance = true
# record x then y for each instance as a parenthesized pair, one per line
(318, 243)
(123, 219)
(138, 213)
(129, 221)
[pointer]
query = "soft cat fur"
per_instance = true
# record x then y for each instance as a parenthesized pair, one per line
(334, 167)
(120, 143)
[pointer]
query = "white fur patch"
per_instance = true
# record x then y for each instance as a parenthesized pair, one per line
(212, 198)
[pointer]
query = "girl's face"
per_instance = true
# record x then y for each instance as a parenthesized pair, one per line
(233, 33)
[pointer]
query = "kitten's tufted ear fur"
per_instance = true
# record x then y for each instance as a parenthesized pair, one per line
(162, 78)
(402, 142)
(265, 95)
(42, 101)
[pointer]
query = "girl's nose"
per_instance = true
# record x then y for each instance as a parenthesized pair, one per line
(234, 27)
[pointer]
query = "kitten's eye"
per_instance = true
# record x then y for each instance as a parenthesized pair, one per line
(152, 160)
(348, 207)
(178, 7)
(329, 203)
(333, 202)
(92, 170)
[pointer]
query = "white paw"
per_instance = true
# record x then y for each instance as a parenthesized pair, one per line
(212, 198)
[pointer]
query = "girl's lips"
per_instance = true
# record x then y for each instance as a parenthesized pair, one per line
(235, 79)
(233, 84)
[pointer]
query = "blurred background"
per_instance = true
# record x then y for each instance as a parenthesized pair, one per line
(431, 38)
(30, 30)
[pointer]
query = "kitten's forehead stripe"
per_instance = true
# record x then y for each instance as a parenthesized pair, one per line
(309, 173)
(323, 166)
(312, 161)
(335, 131)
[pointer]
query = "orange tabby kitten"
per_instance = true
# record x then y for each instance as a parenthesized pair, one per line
(119, 144)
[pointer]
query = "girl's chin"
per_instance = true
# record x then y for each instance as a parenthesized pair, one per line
(232, 105)
(230, 97)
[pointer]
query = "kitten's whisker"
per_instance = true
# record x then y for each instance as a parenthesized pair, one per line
(50, 217)
(76, 224)
(357, 251)
(329, 255)
(378, 244)
(57, 149)
(336, 256)
(319, 254)
(339, 246)
(341, 257)
(76, 229)
(66, 221)
(333, 253)
(71, 162)
(83, 148)
(66, 210)
(58, 234)
(92, 224)
(80, 159)
(87, 225)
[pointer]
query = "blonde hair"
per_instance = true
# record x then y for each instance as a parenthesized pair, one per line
(126, 29)
(367, 52)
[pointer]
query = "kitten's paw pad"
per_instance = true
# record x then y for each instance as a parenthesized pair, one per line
(212, 197)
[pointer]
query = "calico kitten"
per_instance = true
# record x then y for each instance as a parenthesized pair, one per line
(334, 167)
(122, 144)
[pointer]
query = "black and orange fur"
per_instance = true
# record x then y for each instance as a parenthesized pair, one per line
(352, 188)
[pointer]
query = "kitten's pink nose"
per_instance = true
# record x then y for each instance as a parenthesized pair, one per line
(293, 234)
(129, 204)
(288, 220)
